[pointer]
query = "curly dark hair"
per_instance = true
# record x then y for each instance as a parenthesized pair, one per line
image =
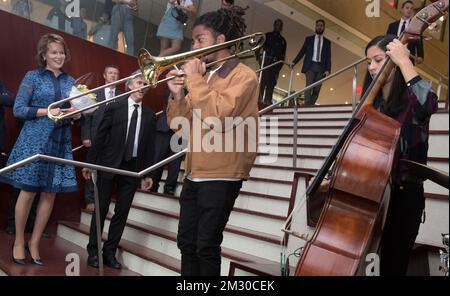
(229, 22)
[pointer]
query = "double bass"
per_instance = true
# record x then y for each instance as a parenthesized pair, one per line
(357, 197)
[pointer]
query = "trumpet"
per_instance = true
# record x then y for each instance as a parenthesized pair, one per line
(151, 68)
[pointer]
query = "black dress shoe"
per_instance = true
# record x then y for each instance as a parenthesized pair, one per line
(10, 230)
(93, 261)
(33, 260)
(169, 191)
(17, 261)
(112, 262)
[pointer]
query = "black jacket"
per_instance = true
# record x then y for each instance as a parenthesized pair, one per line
(308, 50)
(108, 146)
(415, 48)
(92, 120)
(6, 99)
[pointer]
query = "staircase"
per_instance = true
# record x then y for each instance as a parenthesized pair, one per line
(253, 234)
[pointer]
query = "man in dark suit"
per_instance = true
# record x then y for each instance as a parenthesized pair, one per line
(275, 48)
(125, 140)
(6, 99)
(397, 28)
(92, 122)
(163, 150)
(317, 63)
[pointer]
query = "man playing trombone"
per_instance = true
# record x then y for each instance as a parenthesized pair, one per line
(214, 178)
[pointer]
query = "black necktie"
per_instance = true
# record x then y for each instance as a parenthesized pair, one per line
(131, 134)
(403, 28)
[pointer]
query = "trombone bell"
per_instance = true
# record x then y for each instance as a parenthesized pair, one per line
(151, 67)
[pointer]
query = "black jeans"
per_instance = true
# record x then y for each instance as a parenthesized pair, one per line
(205, 209)
(401, 228)
(126, 188)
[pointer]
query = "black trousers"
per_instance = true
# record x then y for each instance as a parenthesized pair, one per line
(401, 228)
(162, 151)
(126, 188)
(315, 73)
(269, 79)
(204, 211)
(89, 191)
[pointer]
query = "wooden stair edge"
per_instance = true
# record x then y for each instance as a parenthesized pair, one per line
(266, 237)
(261, 195)
(144, 207)
(151, 255)
(226, 252)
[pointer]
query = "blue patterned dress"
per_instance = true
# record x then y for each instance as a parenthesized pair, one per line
(40, 135)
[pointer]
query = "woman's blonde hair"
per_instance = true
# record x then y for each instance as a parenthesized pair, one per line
(42, 47)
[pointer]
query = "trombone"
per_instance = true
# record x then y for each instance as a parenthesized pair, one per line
(151, 68)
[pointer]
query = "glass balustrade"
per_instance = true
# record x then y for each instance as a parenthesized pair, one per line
(103, 21)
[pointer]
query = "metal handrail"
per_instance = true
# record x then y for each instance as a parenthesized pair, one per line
(431, 69)
(271, 65)
(291, 96)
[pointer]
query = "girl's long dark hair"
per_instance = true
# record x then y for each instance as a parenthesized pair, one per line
(395, 101)
(229, 22)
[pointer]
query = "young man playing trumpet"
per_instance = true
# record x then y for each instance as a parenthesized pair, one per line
(213, 178)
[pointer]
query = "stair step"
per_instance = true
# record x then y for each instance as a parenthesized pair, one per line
(170, 209)
(136, 257)
(54, 252)
(256, 185)
(164, 241)
(272, 205)
(261, 221)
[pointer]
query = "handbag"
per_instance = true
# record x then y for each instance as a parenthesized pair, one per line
(180, 16)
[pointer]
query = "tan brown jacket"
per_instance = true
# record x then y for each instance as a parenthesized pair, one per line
(231, 93)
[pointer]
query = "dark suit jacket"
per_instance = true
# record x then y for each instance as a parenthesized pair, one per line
(6, 99)
(108, 146)
(92, 121)
(415, 48)
(308, 50)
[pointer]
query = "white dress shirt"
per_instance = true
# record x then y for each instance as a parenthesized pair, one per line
(401, 24)
(109, 91)
(316, 40)
(131, 104)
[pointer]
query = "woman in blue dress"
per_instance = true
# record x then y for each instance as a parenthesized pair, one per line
(170, 30)
(40, 135)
